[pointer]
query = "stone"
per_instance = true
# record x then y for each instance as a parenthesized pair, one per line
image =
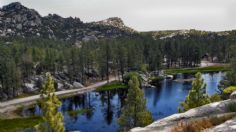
(1, 13)
(19, 26)
(89, 38)
(77, 85)
(68, 86)
(32, 23)
(60, 86)
(29, 88)
(233, 95)
(18, 18)
(9, 30)
(8, 20)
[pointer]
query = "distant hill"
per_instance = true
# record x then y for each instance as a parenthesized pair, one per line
(169, 34)
(18, 20)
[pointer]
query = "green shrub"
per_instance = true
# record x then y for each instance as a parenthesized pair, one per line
(232, 107)
(229, 90)
(215, 98)
(129, 75)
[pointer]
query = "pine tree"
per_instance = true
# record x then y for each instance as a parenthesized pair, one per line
(197, 95)
(50, 104)
(134, 112)
(230, 77)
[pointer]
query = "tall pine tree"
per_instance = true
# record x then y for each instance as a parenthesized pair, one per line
(197, 95)
(50, 104)
(134, 112)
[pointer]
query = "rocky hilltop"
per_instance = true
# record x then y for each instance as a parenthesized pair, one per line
(18, 20)
(115, 22)
(172, 34)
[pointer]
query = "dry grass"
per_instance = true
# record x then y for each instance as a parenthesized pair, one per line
(196, 126)
(199, 125)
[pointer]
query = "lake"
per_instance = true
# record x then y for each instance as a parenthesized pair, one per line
(103, 108)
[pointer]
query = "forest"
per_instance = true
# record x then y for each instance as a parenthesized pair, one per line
(23, 58)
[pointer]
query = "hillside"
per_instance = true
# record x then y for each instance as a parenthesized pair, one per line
(171, 34)
(18, 20)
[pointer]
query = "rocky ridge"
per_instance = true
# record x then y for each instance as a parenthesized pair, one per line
(170, 34)
(18, 20)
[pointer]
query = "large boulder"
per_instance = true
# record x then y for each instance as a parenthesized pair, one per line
(233, 95)
(60, 86)
(77, 85)
(30, 88)
(68, 86)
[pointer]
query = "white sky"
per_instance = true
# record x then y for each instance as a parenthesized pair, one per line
(145, 15)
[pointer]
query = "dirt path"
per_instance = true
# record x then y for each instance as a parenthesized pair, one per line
(208, 63)
(12, 105)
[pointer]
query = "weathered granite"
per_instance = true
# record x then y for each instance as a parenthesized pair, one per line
(228, 126)
(170, 121)
(233, 95)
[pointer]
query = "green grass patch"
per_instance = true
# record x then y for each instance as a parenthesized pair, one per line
(14, 125)
(155, 80)
(112, 86)
(230, 90)
(78, 112)
(232, 107)
(197, 69)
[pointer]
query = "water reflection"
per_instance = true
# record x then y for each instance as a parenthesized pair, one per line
(103, 108)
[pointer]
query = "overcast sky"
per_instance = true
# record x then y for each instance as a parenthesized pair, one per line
(145, 15)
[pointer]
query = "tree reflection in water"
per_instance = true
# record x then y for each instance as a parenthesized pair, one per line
(80, 102)
(108, 108)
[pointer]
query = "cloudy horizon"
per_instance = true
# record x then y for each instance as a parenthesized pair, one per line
(210, 15)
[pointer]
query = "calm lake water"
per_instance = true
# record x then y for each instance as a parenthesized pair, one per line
(105, 107)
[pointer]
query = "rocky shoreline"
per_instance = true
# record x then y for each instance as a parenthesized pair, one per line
(32, 85)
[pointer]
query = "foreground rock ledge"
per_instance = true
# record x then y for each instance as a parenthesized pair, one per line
(169, 122)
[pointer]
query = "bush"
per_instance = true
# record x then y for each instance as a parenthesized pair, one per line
(215, 98)
(129, 75)
(232, 107)
(229, 90)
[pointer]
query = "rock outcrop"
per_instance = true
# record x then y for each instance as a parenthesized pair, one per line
(233, 95)
(228, 126)
(115, 22)
(166, 124)
(18, 20)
